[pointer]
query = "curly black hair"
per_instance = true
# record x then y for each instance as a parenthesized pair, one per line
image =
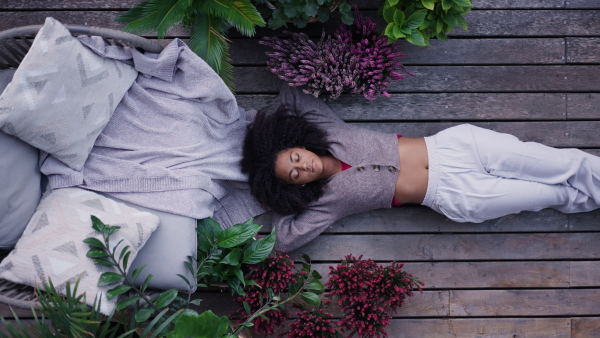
(267, 136)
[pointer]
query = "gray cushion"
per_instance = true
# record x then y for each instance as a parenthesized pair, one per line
(63, 95)
(166, 251)
(20, 179)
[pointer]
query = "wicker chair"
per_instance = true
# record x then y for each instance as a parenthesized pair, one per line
(14, 44)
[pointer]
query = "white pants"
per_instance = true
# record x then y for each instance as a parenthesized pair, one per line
(477, 174)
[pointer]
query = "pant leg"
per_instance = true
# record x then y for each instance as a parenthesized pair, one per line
(503, 155)
(482, 197)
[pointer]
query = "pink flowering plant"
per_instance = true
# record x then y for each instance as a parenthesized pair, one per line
(366, 292)
(355, 59)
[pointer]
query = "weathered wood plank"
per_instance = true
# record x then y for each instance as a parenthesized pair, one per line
(426, 304)
(482, 23)
(429, 79)
(554, 134)
(583, 4)
(484, 327)
(583, 50)
(363, 4)
(583, 106)
(494, 275)
(585, 327)
(419, 219)
(585, 273)
(454, 51)
(442, 106)
(5, 311)
(474, 303)
(453, 247)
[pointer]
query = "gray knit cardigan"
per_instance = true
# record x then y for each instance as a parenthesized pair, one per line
(368, 185)
(174, 142)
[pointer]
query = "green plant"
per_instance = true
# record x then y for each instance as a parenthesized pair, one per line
(419, 20)
(300, 12)
(208, 21)
(142, 313)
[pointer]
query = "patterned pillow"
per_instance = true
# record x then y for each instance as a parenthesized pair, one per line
(62, 95)
(52, 244)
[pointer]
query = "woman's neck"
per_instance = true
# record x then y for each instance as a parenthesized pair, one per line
(331, 166)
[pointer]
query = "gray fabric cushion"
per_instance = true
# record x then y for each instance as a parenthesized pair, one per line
(20, 179)
(52, 245)
(166, 251)
(62, 95)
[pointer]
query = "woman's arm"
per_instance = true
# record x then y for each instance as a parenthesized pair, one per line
(311, 108)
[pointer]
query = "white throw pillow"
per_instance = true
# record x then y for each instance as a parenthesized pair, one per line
(52, 244)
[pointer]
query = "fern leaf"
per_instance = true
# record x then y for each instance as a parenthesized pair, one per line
(208, 40)
(239, 13)
(154, 16)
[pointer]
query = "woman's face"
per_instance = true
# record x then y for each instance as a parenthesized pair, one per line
(298, 166)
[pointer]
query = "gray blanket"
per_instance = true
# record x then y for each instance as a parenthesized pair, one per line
(173, 143)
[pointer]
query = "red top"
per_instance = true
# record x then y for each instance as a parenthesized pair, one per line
(347, 166)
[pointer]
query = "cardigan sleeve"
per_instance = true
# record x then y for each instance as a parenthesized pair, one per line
(308, 106)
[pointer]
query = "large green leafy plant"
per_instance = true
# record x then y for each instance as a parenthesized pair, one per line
(141, 312)
(419, 20)
(208, 21)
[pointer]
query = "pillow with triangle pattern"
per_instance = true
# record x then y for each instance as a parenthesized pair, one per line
(52, 244)
(63, 95)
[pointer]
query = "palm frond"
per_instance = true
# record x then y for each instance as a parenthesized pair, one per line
(208, 40)
(154, 16)
(240, 13)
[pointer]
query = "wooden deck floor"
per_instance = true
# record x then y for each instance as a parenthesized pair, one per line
(528, 67)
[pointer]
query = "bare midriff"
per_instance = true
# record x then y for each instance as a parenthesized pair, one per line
(411, 184)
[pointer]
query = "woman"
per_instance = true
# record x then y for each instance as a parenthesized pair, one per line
(313, 169)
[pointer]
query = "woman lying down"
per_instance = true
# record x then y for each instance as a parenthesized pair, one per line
(313, 169)
(174, 143)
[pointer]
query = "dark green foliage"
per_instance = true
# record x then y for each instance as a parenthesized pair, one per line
(419, 20)
(300, 12)
(208, 21)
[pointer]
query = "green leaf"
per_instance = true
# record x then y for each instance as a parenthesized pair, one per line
(392, 2)
(127, 302)
(240, 275)
(398, 17)
(259, 249)
(126, 260)
(416, 38)
(97, 224)
(450, 20)
(323, 15)
(442, 36)
(208, 40)
(348, 19)
(104, 262)
(233, 258)
(429, 4)
(142, 315)
(96, 253)
(206, 325)
(315, 286)
(446, 4)
(439, 26)
(123, 252)
(247, 308)
(311, 298)
(108, 278)
(119, 290)
(137, 272)
(154, 16)
(416, 19)
(463, 3)
(462, 22)
(389, 29)
(91, 241)
(388, 14)
(237, 235)
(166, 298)
(398, 33)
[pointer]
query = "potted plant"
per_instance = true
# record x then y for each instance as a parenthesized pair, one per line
(300, 12)
(356, 59)
(207, 20)
(417, 21)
